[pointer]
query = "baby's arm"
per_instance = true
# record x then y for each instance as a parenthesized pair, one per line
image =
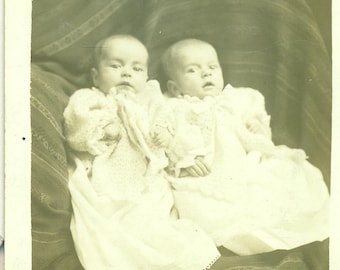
(185, 144)
(162, 136)
(200, 168)
(252, 121)
(248, 106)
(111, 132)
(259, 124)
(162, 119)
(110, 138)
(91, 122)
(255, 133)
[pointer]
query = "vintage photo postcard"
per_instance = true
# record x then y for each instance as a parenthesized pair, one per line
(182, 134)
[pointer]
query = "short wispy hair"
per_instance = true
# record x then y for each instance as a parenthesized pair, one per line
(168, 58)
(98, 49)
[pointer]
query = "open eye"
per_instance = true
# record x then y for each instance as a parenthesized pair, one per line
(116, 66)
(191, 70)
(138, 68)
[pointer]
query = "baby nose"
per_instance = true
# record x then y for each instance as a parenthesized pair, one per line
(206, 72)
(126, 72)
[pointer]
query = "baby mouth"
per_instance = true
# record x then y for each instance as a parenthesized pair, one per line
(208, 85)
(124, 84)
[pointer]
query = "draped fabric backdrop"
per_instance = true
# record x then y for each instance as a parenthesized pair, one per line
(273, 46)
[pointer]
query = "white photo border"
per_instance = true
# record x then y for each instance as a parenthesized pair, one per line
(17, 29)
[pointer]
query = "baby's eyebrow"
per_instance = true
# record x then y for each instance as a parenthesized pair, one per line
(192, 65)
(121, 61)
(139, 63)
(114, 60)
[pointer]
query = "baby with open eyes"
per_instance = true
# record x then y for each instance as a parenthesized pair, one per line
(227, 175)
(122, 203)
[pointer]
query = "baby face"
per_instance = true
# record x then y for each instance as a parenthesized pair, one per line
(123, 64)
(197, 71)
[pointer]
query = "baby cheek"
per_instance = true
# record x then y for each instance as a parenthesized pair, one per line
(189, 80)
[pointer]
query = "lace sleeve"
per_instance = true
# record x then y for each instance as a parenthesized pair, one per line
(252, 121)
(255, 141)
(85, 117)
(189, 140)
(254, 112)
(159, 111)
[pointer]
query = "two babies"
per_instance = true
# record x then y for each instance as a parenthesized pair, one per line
(213, 146)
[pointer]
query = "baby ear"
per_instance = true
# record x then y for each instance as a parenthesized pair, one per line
(94, 75)
(172, 88)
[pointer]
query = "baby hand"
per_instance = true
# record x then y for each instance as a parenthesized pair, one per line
(200, 168)
(254, 126)
(111, 132)
(111, 137)
(161, 136)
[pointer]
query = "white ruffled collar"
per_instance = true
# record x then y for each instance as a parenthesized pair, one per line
(194, 99)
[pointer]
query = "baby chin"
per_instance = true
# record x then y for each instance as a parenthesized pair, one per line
(211, 90)
(125, 87)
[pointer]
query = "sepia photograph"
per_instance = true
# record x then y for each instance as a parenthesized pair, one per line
(170, 134)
